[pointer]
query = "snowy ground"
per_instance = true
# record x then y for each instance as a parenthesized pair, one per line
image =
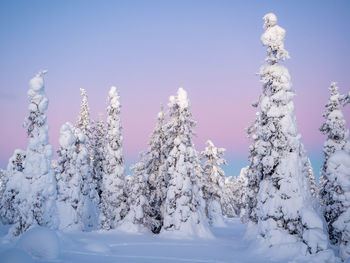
(229, 245)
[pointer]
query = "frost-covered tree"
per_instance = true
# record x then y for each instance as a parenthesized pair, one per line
(334, 128)
(148, 169)
(113, 205)
(285, 211)
(3, 180)
(240, 194)
(98, 148)
(138, 202)
(77, 199)
(31, 183)
(214, 189)
(183, 206)
(253, 171)
(338, 172)
(13, 204)
(84, 121)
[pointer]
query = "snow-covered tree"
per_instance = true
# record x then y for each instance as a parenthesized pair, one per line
(31, 183)
(311, 177)
(183, 206)
(240, 194)
(285, 211)
(3, 180)
(138, 202)
(338, 173)
(14, 200)
(113, 205)
(84, 121)
(148, 169)
(98, 148)
(334, 128)
(253, 171)
(77, 198)
(214, 189)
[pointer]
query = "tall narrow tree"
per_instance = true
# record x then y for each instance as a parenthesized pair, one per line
(98, 148)
(214, 190)
(77, 198)
(334, 128)
(285, 211)
(183, 207)
(113, 206)
(33, 180)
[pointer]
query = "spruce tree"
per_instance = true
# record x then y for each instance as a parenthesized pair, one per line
(31, 180)
(13, 204)
(183, 206)
(148, 170)
(113, 205)
(77, 197)
(98, 148)
(334, 128)
(285, 211)
(214, 190)
(338, 175)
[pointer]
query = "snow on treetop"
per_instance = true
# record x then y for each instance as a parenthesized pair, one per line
(273, 38)
(37, 83)
(83, 92)
(114, 97)
(181, 99)
(270, 19)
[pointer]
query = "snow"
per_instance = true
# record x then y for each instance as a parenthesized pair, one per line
(15, 255)
(40, 242)
(229, 245)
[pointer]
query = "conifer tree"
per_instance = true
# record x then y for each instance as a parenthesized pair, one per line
(31, 182)
(183, 211)
(338, 207)
(84, 121)
(77, 197)
(285, 211)
(334, 128)
(214, 190)
(3, 179)
(13, 200)
(149, 169)
(98, 147)
(113, 205)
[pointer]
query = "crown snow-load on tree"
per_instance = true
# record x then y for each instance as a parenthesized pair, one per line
(214, 192)
(113, 204)
(77, 199)
(183, 208)
(334, 186)
(284, 211)
(148, 188)
(30, 191)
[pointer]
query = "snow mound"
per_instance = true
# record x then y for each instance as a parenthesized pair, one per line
(15, 255)
(40, 242)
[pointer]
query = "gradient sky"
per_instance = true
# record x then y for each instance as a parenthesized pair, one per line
(150, 48)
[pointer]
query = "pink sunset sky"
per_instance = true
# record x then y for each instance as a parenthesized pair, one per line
(148, 49)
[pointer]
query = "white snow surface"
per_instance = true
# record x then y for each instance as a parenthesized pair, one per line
(40, 242)
(231, 244)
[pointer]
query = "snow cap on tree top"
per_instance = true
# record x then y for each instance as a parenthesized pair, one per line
(37, 83)
(273, 38)
(83, 92)
(270, 19)
(114, 97)
(181, 99)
